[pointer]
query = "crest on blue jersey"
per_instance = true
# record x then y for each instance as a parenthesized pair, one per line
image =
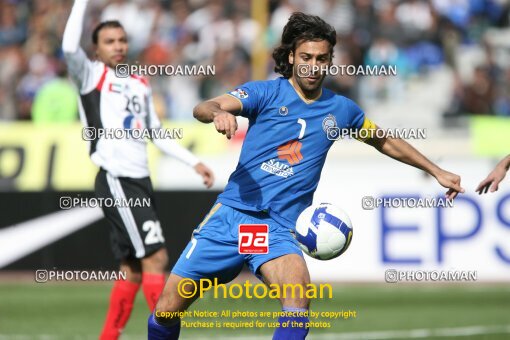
(283, 110)
(328, 122)
(239, 93)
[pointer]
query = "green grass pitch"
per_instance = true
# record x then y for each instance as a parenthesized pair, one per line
(76, 310)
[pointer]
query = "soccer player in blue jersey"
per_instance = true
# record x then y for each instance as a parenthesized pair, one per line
(279, 169)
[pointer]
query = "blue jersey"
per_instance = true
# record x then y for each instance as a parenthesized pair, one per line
(285, 147)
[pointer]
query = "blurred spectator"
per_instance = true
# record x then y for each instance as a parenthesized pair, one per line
(456, 11)
(343, 85)
(13, 31)
(383, 53)
(39, 72)
(56, 101)
(279, 18)
(204, 16)
(487, 91)
(415, 35)
(337, 13)
(502, 101)
(11, 64)
(389, 27)
(364, 24)
(137, 18)
(416, 19)
(478, 95)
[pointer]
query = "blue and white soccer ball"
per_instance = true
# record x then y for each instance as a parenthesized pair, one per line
(323, 231)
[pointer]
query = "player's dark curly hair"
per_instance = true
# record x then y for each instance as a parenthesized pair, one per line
(301, 27)
(104, 24)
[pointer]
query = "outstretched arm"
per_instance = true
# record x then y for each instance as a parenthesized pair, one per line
(77, 62)
(402, 151)
(174, 149)
(495, 177)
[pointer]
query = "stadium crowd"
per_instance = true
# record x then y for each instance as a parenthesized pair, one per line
(417, 36)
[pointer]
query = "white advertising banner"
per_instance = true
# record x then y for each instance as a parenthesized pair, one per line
(473, 235)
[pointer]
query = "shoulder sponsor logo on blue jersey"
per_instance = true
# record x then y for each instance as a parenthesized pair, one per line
(239, 93)
(328, 122)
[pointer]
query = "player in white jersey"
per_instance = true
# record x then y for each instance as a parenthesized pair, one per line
(109, 102)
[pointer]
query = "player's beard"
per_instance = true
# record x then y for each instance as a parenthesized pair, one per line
(116, 60)
(310, 87)
(111, 61)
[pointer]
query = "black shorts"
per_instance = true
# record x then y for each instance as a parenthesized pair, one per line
(135, 229)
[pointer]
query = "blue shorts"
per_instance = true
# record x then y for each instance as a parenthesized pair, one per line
(213, 251)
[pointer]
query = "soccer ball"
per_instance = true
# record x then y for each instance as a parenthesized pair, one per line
(323, 231)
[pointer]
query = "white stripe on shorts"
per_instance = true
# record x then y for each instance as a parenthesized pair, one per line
(126, 215)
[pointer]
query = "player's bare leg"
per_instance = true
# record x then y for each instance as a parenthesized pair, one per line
(173, 301)
(153, 276)
(278, 272)
(121, 299)
(133, 270)
(155, 263)
(164, 322)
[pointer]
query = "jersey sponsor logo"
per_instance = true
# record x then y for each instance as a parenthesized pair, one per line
(328, 123)
(291, 152)
(275, 167)
(288, 154)
(253, 239)
(239, 93)
(283, 110)
(131, 122)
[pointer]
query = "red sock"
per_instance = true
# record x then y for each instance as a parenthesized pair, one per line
(152, 285)
(121, 303)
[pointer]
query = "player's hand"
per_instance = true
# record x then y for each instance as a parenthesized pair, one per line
(206, 173)
(225, 123)
(492, 181)
(450, 181)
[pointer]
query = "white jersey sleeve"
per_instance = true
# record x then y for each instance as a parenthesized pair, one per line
(79, 66)
(169, 146)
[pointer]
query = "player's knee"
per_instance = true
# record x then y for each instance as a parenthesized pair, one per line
(132, 269)
(163, 306)
(162, 259)
(170, 300)
(156, 262)
(294, 295)
(167, 312)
